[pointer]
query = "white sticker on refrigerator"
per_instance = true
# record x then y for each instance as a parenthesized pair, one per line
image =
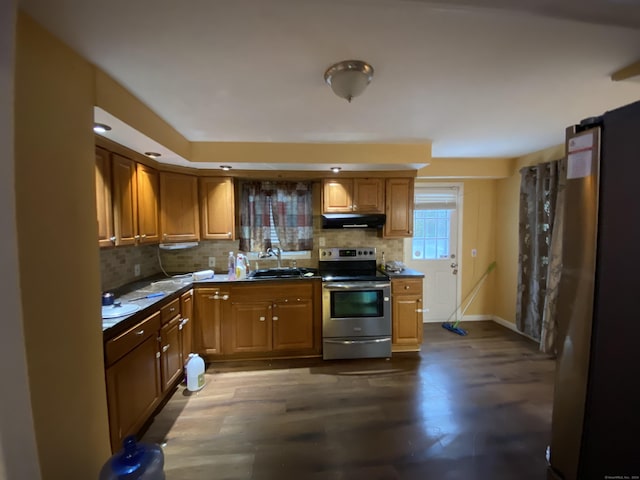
(580, 142)
(579, 164)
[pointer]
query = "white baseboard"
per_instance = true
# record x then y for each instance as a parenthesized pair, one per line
(466, 318)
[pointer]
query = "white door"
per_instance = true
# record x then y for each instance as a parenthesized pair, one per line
(433, 249)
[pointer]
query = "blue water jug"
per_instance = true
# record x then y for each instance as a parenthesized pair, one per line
(136, 461)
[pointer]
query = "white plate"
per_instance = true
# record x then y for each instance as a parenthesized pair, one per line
(111, 311)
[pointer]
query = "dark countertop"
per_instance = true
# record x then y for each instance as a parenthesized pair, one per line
(163, 290)
(406, 273)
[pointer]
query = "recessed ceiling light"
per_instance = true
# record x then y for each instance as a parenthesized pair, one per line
(153, 154)
(101, 127)
(226, 168)
(336, 169)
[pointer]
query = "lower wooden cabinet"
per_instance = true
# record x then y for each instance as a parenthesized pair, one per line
(265, 319)
(186, 309)
(170, 352)
(406, 297)
(133, 380)
(208, 319)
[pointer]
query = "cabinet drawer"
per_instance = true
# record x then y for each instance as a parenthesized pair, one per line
(119, 346)
(406, 285)
(170, 310)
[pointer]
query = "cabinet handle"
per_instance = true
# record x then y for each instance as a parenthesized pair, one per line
(144, 235)
(229, 234)
(225, 297)
(140, 332)
(113, 239)
(185, 321)
(419, 300)
(172, 309)
(136, 237)
(157, 354)
(214, 297)
(419, 310)
(262, 319)
(165, 348)
(407, 287)
(275, 318)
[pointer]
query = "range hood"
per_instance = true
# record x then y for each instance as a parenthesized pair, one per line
(353, 220)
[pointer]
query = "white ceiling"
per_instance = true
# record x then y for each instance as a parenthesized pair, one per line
(502, 78)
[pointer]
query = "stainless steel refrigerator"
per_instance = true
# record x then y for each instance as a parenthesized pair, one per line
(595, 430)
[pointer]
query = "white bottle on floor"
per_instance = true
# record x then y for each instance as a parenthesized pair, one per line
(194, 371)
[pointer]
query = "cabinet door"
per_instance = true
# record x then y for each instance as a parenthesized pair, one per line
(399, 208)
(337, 195)
(133, 390)
(179, 207)
(125, 203)
(170, 355)
(217, 208)
(406, 306)
(148, 217)
(208, 308)
(186, 309)
(104, 208)
(368, 195)
(249, 326)
(293, 324)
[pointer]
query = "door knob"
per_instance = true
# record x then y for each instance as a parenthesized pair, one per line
(454, 265)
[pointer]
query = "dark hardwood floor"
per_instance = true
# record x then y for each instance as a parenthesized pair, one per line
(473, 408)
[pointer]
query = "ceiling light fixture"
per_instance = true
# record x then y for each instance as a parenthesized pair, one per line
(226, 168)
(336, 169)
(101, 127)
(153, 154)
(349, 78)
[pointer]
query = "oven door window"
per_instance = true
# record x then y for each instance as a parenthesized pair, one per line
(357, 304)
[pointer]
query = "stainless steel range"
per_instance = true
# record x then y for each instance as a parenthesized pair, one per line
(356, 304)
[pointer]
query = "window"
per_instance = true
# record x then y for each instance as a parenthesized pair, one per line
(431, 237)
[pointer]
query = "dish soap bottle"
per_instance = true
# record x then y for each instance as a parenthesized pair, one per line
(241, 270)
(231, 263)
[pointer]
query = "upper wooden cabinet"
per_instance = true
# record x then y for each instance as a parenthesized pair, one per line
(399, 208)
(353, 195)
(217, 208)
(148, 217)
(125, 200)
(179, 207)
(104, 210)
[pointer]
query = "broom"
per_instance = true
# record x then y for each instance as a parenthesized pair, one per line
(453, 327)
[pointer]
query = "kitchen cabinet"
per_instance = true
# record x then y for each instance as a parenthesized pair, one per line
(270, 317)
(399, 208)
(133, 378)
(147, 180)
(170, 340)
(208, 307)
(104, 209)
(217, 208)
(406, 308)
(186, 310)
(353, 195)
(179, 207)
(125, 200)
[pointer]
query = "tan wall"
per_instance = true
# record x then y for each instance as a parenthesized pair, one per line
(58, 258)
(506, 236)
(18, 454)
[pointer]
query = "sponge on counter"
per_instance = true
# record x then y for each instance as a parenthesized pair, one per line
(202, 275)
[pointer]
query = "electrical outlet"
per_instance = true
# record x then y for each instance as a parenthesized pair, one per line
(136, 269)
(212, 261)
(474, 252)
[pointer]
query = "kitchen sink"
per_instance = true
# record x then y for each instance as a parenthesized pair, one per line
(285, 272)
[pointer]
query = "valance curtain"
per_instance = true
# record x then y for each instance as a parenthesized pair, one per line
(287, 203)
(540, 255)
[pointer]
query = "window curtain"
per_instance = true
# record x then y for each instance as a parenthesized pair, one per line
(293, 215)
(255, 224)
(540, 255)
(288, 203)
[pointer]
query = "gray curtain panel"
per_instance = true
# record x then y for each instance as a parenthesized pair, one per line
(540, 253)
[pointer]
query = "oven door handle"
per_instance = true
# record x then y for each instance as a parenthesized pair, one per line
(355, 342)
(355, 286)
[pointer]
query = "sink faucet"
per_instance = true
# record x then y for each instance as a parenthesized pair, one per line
(275, 252)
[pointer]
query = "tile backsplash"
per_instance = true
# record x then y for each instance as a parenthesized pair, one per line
(117, 264)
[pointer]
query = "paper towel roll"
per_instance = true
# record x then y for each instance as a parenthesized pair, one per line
(202, 275)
